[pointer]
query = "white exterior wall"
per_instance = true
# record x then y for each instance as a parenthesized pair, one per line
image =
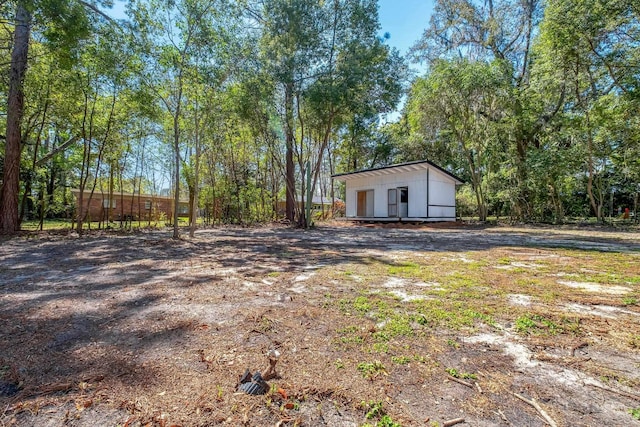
(440, 189)
(442, 196)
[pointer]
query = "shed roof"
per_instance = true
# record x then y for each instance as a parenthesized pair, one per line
(399, 167)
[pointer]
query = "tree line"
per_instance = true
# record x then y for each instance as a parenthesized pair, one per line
(534, 103)
(232, 104)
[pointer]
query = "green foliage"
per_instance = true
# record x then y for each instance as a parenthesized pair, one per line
(534, 104)
(371, 370)
(463, 375)
(362, 305)
(536, 324)
(374, 410)
(635, 413)
(400, 360)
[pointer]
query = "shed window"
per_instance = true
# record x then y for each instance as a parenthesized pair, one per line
(147, 204)
(392, 200)
(105, 203)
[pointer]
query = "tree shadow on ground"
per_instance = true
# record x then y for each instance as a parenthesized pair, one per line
(75, 309)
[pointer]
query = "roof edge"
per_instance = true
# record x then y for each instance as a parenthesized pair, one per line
(459, 180)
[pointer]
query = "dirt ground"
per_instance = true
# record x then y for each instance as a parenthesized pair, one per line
(375, 325)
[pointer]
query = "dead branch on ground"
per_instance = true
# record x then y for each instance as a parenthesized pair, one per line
(538, 408)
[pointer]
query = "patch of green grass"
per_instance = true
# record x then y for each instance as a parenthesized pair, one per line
(629, 301)
(350, 335)
(354, 339)
(380, 347)
(371, 370)
(453, 343)
(536, 325)
(399, 326)
(400, 360)
(462, 375)
(635, 413)
(375, 409)
(386, 421)
(451, 314)
(362, 305)
(407, 269)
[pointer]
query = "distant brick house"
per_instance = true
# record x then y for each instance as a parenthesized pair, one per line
(121, 206)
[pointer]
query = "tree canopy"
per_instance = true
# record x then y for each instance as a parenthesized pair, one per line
(230, 105)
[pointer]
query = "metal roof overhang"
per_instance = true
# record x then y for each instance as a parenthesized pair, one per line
(393, 169)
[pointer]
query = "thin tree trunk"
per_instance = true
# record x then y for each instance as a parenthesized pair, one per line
(290, 168)
(196, 173)
(595, 205)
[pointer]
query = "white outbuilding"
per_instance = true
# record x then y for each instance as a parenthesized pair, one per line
(413, 191)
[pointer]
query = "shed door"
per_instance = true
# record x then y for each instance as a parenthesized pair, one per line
(365, 204)
(392, 202)
(404, 202)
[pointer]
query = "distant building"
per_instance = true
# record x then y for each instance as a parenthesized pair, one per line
(123, 206)
(413, 191)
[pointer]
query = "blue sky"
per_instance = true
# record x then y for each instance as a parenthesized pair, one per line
(405, 20)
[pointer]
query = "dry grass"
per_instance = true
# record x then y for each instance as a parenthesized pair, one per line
(143, 330)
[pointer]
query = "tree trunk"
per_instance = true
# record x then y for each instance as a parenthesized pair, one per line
(196, 174)
(595, 204)
(290, 168)
(9, 219)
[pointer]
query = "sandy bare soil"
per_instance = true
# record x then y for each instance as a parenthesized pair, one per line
(383, 326)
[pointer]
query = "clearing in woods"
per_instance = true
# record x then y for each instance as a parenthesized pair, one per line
(382, 326)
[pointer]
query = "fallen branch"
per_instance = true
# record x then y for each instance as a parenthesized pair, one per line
(458, 380)
(612, 390)
(452, 422)
(478, 387)
(541, 411)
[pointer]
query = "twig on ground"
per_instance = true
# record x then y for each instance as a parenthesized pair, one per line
(612, 390)
(504, 417)
(541, 411)
(458, 380)
(579, 346)
(478, 387)
(452, 422)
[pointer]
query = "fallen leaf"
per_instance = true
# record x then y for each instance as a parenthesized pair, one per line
(282, 392)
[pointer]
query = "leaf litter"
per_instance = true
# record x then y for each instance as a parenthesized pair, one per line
(140, 329)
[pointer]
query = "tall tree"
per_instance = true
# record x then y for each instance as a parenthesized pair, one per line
(62, 23)
(497, 30)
